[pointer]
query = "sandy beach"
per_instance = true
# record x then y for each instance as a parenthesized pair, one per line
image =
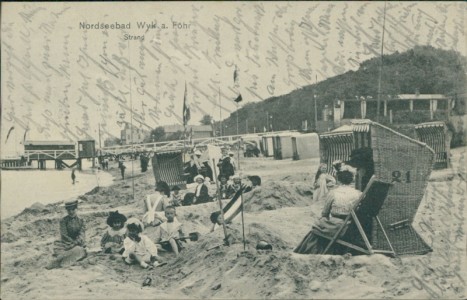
(281, 212)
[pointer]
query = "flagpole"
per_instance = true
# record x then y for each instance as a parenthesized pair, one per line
(243, 221)
(378, 104)
(238, 146)
(184, 123)
(131, 125)
(220, 112)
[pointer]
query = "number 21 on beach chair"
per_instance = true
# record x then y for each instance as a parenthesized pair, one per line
(355, 232)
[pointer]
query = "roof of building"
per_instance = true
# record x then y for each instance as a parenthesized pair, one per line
(404, 97)
(421, 97)
(49, 143)
(196, 128)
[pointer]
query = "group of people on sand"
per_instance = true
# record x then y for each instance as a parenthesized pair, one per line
(199, 165)
(125, 237)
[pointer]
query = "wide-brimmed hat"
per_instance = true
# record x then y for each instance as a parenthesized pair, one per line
(163, 187)
(115, 217)
(71, 204)
(198, 177)
(263, 245)
(235, 177)
(135, 221)
(197, 152)
(361, 157)
(231, 153)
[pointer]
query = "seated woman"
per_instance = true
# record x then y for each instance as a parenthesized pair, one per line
(155, 205)
(323, 182)
(112, 241)
(72, 245)
(201, 191)
(338, 205)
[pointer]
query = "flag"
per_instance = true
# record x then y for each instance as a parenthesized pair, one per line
(25, 132)
(190, 139)
(235, 76)
(9, 131)
(239, 98)
(186, 109)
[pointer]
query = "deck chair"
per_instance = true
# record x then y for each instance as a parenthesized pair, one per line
(356, 231)
(234, 206)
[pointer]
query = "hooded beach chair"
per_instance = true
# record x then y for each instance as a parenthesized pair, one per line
(357, 228)
(168, 166)
(437, 136)
(396, 159)
(335, 146)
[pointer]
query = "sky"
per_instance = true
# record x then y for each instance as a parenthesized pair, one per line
(65, 76)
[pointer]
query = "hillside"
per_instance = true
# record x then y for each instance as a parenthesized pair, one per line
(423, 68)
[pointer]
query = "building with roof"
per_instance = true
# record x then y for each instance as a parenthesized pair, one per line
(402, 108)
(138, 135)
(199, 131)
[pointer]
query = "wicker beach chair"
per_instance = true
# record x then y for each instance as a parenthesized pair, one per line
(168, 166)
(335, 146)
(356, 231)
(403, 162)
(406, 164)
(436, 135)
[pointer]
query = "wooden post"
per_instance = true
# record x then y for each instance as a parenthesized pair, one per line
(390, 116)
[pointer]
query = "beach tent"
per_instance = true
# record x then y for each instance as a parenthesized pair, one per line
(168, 166)
(282, 144)
(305, 146)
(268, 145)
(436, 135)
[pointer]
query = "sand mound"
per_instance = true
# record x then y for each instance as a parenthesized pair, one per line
(274, 195)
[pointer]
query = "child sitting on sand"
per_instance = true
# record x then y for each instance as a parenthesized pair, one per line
(224, 187)
(138, 247)
(170, 231)
(177, 198)
(112, 241)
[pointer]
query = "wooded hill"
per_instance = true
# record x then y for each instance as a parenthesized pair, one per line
(424, 69)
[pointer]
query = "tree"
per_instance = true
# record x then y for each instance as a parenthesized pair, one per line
(112, 141)
(206, 120)
(157, 134)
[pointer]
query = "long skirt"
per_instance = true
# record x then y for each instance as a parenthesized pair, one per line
(66, 255)
(314, 244)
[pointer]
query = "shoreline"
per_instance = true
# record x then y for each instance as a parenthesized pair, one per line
(11, 209)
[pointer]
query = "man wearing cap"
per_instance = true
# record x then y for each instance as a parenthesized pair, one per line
(225, 166)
